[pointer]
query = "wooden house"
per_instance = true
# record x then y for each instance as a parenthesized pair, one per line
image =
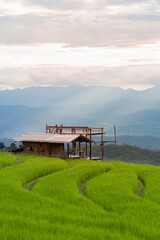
(61, 141)
(53, 145)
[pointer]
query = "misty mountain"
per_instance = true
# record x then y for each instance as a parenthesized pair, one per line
(113, 99)
(28, 110)
(143, 122)
(53, 96)
(19, 120)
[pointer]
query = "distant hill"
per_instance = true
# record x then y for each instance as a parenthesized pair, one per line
(28, 110)
(130, 154)
(147, 142)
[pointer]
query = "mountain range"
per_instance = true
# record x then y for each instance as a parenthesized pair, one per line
(28, 110)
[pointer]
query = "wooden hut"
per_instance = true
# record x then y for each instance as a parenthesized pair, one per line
(53, 145)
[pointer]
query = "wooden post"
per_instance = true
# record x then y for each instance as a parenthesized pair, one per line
(115, 142)
(90, 144)
(86, 144)
(68, 149)
(79, 149)
(46, 128)
(102, 145)
(56, 128)
(74, 148)
(86, 149)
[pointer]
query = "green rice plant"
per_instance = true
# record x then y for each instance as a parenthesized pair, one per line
(6, 159)
(76, 162)
(112, 189)
(64, 185)
(56, 209)
(149, 176)
(115, 192)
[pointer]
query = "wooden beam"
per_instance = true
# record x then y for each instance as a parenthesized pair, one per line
(78, 133)
(95, 128)
(99, 133)
(73, 130)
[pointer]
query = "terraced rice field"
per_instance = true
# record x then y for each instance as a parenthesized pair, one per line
(45, 198)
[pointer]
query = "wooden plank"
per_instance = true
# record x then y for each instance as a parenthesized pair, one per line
(59, 129)
(96, 133)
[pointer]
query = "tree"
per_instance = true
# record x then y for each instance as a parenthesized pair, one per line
(2, 145)
(13, 145)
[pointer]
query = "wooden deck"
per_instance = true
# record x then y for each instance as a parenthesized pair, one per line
(96, 158)
(75, 157)
(84, 157)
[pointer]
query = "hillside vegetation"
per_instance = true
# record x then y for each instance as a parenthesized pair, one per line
(49, 198)
(128, 153)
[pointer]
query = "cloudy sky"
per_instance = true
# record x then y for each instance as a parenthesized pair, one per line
(88, 42)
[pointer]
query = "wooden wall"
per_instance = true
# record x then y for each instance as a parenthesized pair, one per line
(45, 149)
(57, 150)
(42, 149)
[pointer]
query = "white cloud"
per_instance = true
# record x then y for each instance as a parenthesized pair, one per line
(100, 23)
(59, 54)
(137, 77)
(15, 8)
(43, 7)
(104, 42)
(85, 4)
(77, 30)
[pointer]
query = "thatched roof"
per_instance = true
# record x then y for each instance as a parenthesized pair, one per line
(52, 138)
